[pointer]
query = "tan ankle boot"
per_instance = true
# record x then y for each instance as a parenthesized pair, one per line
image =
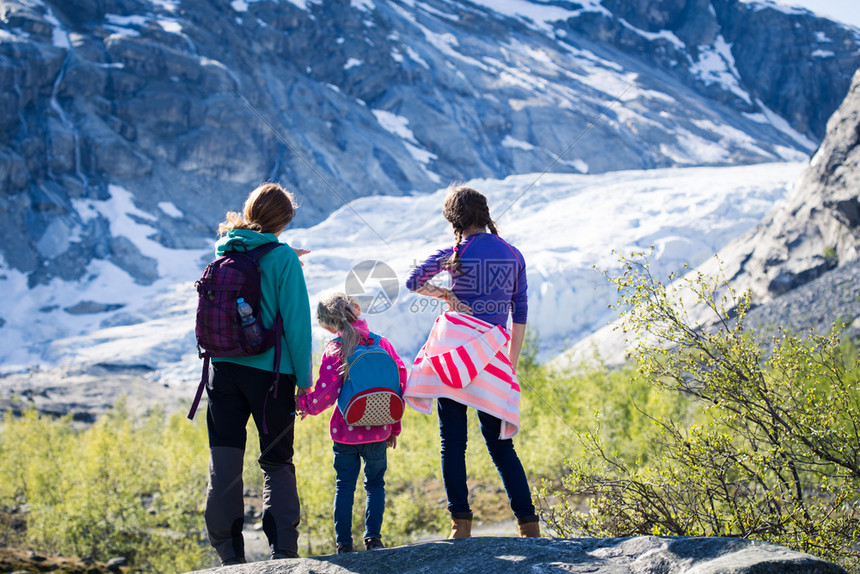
(461, 526)
(529, 528)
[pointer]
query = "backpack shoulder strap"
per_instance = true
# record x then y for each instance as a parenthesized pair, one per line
(261, 250)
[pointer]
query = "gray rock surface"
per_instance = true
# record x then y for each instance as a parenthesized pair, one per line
(815, 306)
(640, 555)
(88, 392)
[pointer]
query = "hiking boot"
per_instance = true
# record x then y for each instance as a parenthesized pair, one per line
(529, 527)
(461, 525)
(373, 543)
(233, 561)
(283, 555)
(344, 548)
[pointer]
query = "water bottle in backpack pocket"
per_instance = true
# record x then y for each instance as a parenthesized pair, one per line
(371, 394)
(250, 326)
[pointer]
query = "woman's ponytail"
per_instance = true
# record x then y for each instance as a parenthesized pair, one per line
(268, 209)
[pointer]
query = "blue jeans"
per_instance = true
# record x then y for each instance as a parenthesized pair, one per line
(453, 430)
(347, 463)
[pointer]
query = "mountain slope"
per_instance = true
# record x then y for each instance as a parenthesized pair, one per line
(188, 104)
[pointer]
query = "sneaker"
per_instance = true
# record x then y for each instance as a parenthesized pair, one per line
(373, 543)
(233, 561)
(283, 555)
(344, 548)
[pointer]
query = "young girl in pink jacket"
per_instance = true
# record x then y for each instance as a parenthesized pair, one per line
(339, 314)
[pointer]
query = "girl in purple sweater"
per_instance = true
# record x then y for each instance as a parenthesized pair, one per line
(488, 281)
(339, 314)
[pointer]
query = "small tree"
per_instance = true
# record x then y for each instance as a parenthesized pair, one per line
(774, 453)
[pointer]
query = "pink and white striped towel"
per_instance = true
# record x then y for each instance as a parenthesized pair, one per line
(466, 359)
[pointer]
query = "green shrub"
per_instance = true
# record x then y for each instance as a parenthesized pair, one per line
(117, 488)
(771, 450)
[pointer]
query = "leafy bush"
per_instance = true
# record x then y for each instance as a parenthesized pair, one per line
(117, 488)
(770, 451)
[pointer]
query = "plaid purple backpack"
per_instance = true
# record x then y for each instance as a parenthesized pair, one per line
(218, 330)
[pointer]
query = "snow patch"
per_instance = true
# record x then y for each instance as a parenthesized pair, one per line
(541, 16)
(170, 209)
(170, 26)
(515, 143)
(716, 64)
(397, 125)
(758, 5)
(654, 36)
(782, 125)
(134, 20)
(431, 10)
(59, 36)
(822, 54)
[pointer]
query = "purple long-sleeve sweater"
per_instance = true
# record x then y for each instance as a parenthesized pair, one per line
(492, 277)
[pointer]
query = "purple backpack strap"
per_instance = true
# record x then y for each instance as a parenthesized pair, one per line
(279, 329)
(196, 402)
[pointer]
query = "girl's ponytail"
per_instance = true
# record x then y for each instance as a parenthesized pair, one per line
(465, 207)
(337, 312)
(453, 262)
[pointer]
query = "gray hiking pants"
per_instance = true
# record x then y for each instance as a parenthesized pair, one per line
(237, 392)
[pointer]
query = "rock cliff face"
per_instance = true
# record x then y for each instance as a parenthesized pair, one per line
(818, 226)
(188, 104)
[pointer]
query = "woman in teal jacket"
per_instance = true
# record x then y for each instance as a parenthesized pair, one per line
(241, 387)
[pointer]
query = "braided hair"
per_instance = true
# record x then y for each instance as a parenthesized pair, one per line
(464, 208)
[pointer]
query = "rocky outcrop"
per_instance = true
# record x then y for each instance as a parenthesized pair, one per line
(667, 555)
(817, 228)
(190, 105)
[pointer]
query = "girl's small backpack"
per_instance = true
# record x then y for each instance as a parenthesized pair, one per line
(371, 393)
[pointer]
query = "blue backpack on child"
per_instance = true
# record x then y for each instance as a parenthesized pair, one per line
(371, 393)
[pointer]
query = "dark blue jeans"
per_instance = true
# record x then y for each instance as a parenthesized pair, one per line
(347, 464)
(452, 427)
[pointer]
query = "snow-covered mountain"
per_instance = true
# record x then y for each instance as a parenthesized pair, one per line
(188, 104)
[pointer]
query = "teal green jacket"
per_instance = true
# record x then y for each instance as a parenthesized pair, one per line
(282, 285)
